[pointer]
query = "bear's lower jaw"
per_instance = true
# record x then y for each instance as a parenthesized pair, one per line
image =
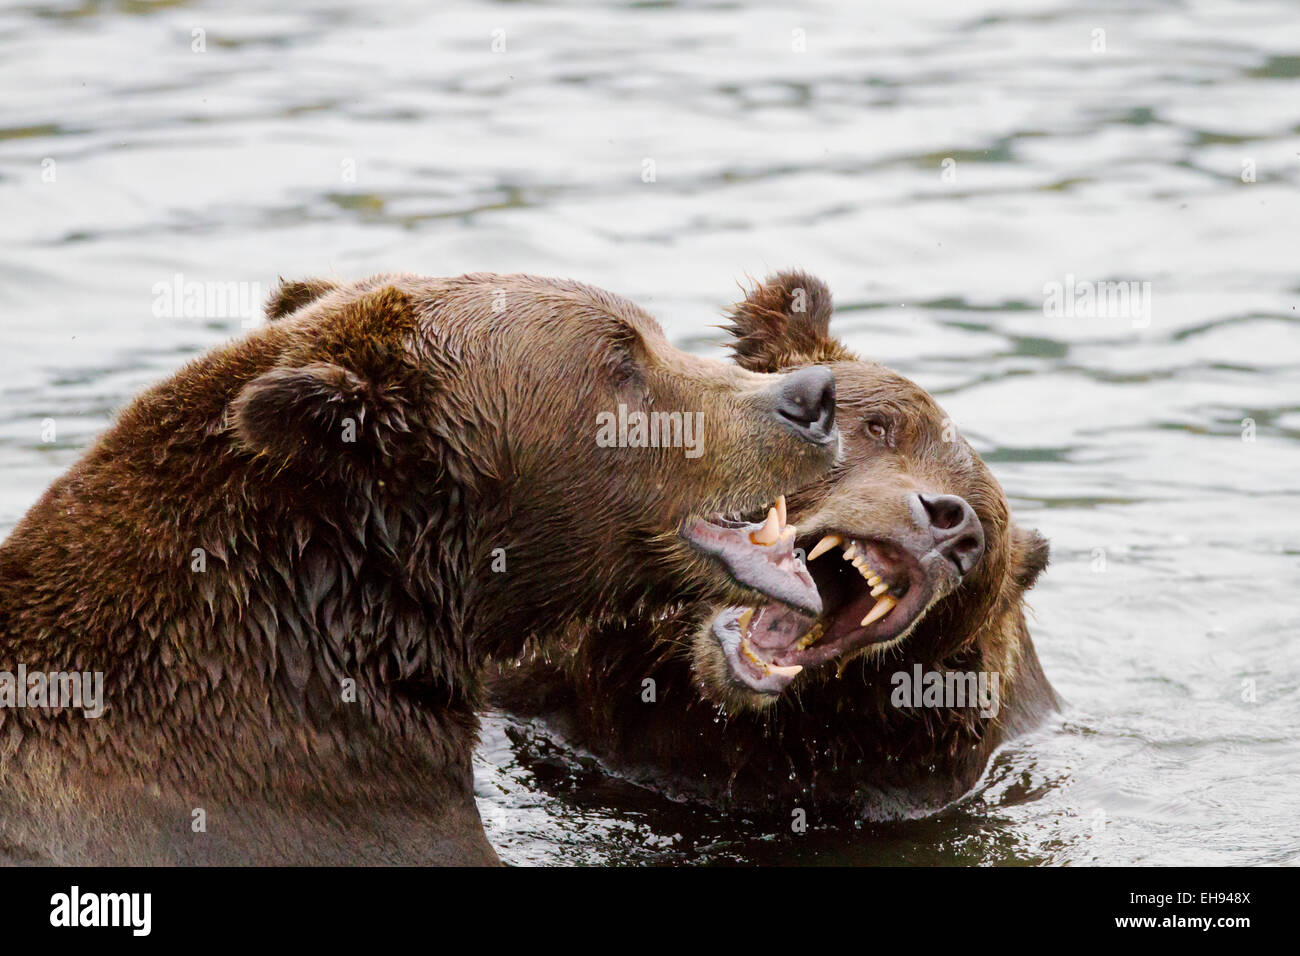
(760, 556)
(748, 667)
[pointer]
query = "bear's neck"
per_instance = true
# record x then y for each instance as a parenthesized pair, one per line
(262, 646)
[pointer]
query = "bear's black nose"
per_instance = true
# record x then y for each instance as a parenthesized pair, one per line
(956, 529)
(806, 402)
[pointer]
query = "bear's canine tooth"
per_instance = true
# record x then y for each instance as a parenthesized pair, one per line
(770, 533)
(780, 509)
(883, 606)
(744, 619)
(824, 545)
(789, 670)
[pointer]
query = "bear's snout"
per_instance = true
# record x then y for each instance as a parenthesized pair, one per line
(805, 402)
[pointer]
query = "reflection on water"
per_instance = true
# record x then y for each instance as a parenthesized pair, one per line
(941, 167)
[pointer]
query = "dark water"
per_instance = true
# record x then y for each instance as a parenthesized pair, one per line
(333, 138)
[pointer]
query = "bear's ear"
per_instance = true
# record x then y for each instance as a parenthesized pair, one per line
(315, 416)
(348, 404)
(784, 322)
(293, 414)
(1031, 552)
(288, 297)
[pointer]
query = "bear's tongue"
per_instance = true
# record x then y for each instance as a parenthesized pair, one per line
(760, 556)
(773, 629)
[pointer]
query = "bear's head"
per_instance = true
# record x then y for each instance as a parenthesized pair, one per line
(909, 537)
(537, 449)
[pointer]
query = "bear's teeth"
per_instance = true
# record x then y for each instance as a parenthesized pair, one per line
(770, 533)
(879, 589)
(864, 569)
(824, 545)
(812, 637)
(883, 606)
(874, 580)
(744, 619)
(780, 509)
(790, 670)
(851, 551)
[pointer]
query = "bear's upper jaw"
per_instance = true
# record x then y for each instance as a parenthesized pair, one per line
(873, 591)
(758, 555)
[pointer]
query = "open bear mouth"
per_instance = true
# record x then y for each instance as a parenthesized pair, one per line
(760, 555)
(873, 593)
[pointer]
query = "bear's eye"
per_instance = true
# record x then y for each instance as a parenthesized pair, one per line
(876, 426)
(629, 378)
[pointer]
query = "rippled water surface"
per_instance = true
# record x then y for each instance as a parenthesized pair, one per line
(339, 138)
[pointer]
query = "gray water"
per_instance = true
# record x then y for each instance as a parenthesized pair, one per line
(337, 139)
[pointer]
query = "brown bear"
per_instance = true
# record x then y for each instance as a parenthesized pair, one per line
(890, 702)
(287, 563)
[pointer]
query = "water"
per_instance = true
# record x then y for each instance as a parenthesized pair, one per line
(334, 138)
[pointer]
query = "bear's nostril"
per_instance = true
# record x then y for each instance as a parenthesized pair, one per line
(946, 511)
(806, 401)
(955, 529)
(967, 551)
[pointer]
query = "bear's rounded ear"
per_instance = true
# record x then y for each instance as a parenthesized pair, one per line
(784, 322)
(1030, 554)
(304, 414)
(290, 296)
